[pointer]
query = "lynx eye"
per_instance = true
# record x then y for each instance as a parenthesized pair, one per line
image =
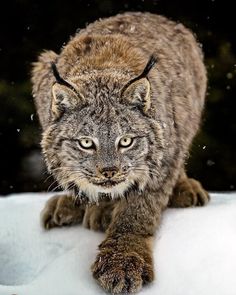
(125, 141)
(86, 143)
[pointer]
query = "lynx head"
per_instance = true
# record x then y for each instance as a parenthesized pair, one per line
(100, 136)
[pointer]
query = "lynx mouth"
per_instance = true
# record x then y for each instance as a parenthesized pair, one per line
(108, 183)
(95, 189)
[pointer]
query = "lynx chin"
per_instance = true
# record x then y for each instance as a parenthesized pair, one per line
(119, 107)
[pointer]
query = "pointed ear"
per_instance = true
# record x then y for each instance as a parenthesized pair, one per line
(63, 98)
(138, 94)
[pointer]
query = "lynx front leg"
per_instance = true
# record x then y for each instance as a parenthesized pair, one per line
(98, 217)
(61, 210)
(188, 192)
(124, 262)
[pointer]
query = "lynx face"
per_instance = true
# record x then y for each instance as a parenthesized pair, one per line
(101, 145)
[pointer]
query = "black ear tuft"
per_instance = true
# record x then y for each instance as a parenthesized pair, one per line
(151, 62)
(59, 79)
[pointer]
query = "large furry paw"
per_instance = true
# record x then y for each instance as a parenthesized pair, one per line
(121, 270)
(98, 217)
(188, 193)
(60, 211)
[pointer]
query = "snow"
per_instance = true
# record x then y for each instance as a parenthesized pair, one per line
(195, 251)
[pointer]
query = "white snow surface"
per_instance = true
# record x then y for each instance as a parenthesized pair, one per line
(194, 253)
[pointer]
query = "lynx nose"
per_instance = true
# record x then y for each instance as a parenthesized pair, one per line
(109, 172)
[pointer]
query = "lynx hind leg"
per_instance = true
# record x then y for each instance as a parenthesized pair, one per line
(188, 192)
(98, 217)
(59, 211)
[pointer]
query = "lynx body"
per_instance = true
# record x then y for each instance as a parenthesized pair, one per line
(118, 140)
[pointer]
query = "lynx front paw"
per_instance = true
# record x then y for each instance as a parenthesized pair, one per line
(188, 193)
(120, 271)
(59, 211)
(98, 217)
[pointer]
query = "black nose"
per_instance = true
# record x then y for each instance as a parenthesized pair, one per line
(109, 172)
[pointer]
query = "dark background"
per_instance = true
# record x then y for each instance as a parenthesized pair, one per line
(28, 27)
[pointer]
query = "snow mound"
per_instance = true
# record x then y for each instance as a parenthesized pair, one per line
(195, 251)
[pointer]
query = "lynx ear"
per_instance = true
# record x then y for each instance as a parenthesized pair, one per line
(137, 90)
(64, 95)
(63, 98)
(138, 94)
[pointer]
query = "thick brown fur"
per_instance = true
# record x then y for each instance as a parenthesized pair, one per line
(98, 62)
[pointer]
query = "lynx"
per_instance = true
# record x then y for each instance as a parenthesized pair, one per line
(119, 107)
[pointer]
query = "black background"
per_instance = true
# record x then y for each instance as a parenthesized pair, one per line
(28, 27)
